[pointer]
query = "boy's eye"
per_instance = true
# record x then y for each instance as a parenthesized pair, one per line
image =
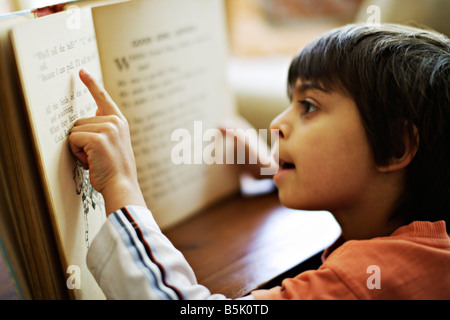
(308, 107)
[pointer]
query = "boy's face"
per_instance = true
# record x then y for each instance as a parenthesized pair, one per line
(326, 162)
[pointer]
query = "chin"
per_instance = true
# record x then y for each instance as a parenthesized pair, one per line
(289, 201)
(294, 202)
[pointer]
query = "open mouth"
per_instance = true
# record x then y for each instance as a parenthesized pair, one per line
(286, 165)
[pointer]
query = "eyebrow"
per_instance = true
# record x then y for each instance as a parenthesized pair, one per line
(309, 86)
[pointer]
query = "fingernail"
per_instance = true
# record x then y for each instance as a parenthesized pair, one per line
(84, 71)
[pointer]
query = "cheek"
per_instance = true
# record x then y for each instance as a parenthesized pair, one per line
(332, 167)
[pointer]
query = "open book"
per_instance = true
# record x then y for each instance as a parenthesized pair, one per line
(164, 64)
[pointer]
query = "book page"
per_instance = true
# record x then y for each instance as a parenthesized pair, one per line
(25, 222)
(164, 64)
(14, 245)
(49, 52)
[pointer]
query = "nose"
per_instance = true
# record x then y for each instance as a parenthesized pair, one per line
(280, 123)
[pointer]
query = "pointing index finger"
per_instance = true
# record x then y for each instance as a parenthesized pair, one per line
(106, 106)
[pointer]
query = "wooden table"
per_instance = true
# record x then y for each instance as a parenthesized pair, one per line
(242, 242)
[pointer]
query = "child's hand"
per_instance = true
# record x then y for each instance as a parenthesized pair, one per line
(102, 144)
(253, 148)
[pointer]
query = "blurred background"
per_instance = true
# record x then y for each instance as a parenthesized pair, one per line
(264, 35)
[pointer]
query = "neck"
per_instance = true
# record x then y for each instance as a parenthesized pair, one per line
(356, 229)
(371, 216)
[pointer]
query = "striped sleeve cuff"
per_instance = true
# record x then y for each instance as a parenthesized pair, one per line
(143, 255)
(131, 259)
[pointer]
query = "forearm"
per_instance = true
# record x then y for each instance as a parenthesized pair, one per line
(120, 194)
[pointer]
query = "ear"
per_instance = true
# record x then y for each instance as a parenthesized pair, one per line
(398, 163)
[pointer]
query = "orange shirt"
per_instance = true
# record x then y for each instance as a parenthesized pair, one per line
(412, 263)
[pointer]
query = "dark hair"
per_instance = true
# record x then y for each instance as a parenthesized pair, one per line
(399, 77)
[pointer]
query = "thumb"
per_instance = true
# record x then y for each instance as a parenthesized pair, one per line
(106, 106)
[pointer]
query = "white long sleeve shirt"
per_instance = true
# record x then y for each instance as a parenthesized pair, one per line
(130, 258)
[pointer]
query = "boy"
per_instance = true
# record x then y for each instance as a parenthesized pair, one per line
(366, 137)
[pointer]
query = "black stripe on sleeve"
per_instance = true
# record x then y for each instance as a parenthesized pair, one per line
(149, 252)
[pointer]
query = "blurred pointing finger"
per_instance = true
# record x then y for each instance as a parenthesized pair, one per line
(106, 106)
